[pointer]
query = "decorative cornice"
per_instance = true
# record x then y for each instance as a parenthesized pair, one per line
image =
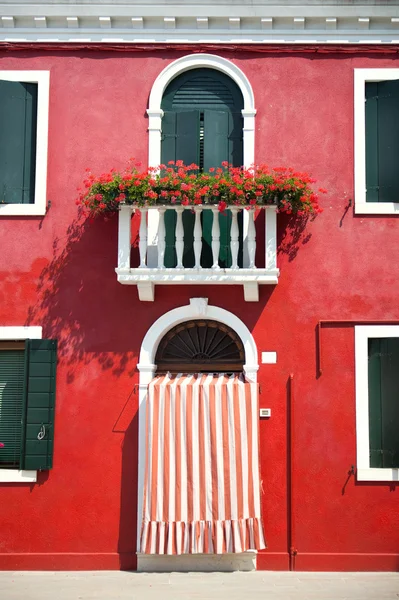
(217, 22)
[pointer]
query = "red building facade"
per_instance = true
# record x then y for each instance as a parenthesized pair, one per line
(323, 506)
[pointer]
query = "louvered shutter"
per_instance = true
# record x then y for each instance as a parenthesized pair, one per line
(383, 377)
(12, 377)
(382, 141)
(18, 123)
(180, 141)
(38, 421)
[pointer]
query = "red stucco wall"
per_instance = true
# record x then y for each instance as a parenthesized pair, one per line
(59, 274)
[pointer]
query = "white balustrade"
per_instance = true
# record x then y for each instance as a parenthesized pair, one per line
(215, 238)
(251, 238)
(197, 237)
(179, 237)
(234, 235)
(143, 238)
(151, 268)
(161, 238)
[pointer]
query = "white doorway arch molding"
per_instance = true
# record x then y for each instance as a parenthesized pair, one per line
(197, 309)
(196, 61)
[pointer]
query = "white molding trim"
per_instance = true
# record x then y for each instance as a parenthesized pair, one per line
(361, 206)
(195, 61)
(256, 21)
(19, 333)
(197, 309)
(42, 78)
(16, 476)
(362, 335)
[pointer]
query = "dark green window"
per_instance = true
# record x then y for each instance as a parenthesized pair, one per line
(382, 141)
(27, 398)
(383, 376)
(202, 124)
(18, 132)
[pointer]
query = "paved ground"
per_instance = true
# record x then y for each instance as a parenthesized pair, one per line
(115, 585)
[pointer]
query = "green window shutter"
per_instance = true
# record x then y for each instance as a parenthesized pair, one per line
(180, 141)
(222, 142)
(38, 422)
(18, 123)
(12, 370)
(384, 402)
(382, 140)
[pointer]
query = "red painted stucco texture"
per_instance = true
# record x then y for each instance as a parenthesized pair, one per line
(58, 273)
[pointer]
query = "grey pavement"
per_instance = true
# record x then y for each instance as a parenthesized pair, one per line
(265, 585)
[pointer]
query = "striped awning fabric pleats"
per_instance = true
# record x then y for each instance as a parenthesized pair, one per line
(201, 488)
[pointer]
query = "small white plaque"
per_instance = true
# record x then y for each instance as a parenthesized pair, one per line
(269, 358)
(265, 413)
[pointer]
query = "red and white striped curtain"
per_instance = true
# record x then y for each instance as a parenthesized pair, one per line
(201, 490)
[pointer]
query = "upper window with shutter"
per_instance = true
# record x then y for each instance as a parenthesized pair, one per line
(27, 400)
(24, 101)
(202, 120)
(376, 140)
(377, 402)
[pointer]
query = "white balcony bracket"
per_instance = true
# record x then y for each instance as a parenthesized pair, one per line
(146, 291)
(251, 292)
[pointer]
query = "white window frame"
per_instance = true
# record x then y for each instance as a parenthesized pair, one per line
(363, 76)
(19, 333)
(362, 334)
(42, 78)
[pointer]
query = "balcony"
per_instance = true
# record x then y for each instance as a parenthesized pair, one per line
(150, 269)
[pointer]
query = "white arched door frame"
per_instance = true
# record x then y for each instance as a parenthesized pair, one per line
(197, 309)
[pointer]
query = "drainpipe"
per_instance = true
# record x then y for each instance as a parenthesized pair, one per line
(292, 551)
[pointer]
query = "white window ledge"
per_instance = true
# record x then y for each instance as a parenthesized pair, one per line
(16, 476)
(378, 474)
(377, 208)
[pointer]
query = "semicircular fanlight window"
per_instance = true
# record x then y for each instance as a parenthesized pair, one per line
(200, 345)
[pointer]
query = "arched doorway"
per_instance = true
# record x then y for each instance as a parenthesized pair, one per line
(189, 337)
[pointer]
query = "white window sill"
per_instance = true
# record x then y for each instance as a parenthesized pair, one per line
(378, 474)
(377, 208)
(23, 210)
(16, 476)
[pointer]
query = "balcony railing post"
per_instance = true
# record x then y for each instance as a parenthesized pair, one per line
(251, 237)
(270, 237)
(143, 237)
(234, 235)
(161, 238)
(124, 237)
(215, 238)
(197, 237)
(179, 237)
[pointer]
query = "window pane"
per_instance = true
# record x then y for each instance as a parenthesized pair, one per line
(18, 123)
(11, 399)
(384, 402)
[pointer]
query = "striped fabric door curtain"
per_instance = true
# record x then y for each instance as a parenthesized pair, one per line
(201, 488)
